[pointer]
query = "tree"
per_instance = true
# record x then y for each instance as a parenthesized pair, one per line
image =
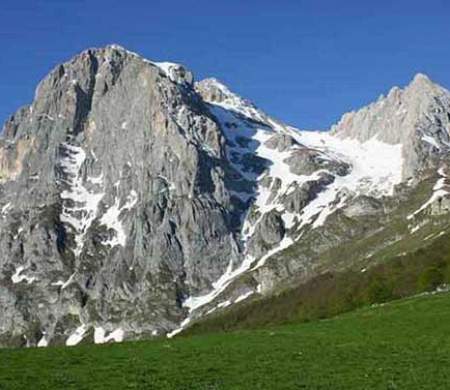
(430, 279)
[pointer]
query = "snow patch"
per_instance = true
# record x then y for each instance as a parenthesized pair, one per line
(169, 68)
(431, 141)
(376, 166)
(81, 210)
(415, 229)
(111, 219)
(5, 209)
(101, 338)
(438, 193)
(224, 304)
(17, 277)
(77, 336)
(243, 296)
(66, 283)
(232, 102)
(285, 243)
(96, 180)
(183, 325)
(43, 342)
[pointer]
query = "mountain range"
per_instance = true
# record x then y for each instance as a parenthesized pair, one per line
(135, 201)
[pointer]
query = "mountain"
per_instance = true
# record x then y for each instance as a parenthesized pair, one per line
(135, 201)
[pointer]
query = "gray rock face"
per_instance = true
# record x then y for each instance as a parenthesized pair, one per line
(281, 142)
(306, 161)
(268, 232)
(115, 200)
(132, 199)
(417, 117)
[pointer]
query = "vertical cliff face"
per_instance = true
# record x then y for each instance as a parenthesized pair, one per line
(115, 200)
(133, 200)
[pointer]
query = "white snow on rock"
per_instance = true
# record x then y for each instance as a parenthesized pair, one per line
(183, 326)
(66, 283)
(243, 296)
(96, 180)
(224, 304)
(432, 141)
(5, 208)
(100, 336)
(111, 219)
(77, 336)
(233, 102)
(376, 159)
(43, 342)
(438, 193)
(415, 228)
(171, 69)
(285, 243)
(18, 277)
(376, 168)
(80, 214)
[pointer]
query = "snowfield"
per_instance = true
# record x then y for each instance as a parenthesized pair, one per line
(375, 169)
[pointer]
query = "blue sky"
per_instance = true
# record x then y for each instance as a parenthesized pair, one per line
(305, 62)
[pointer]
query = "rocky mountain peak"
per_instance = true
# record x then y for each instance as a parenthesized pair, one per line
(422, 91)
(215, 92)
(122, 163)
(421, 79)
(175, 72)
(416, 117)
(401, 108)
(134, 201)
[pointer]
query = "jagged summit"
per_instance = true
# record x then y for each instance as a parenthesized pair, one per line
(117, 54)
(415, 117)
(421, 78)
(214, 91)
(175, 71)
(115, 46)
(134, 201)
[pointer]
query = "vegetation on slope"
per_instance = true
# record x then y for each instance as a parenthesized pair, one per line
(331, 293)
(401, 345)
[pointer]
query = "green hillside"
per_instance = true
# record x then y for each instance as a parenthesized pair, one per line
(332, 293)
(401, 345)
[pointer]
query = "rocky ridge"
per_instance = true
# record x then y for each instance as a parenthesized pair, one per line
(134, 200)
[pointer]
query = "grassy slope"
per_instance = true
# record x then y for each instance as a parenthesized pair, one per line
(351, 243)
(332, 293)
(405, 344)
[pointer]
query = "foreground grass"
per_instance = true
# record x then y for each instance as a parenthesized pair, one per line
(402, 345)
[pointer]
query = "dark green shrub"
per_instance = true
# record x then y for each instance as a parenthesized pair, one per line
(430, 278)
(379, 291)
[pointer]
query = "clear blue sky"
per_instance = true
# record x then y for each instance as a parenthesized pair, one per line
(305, 62)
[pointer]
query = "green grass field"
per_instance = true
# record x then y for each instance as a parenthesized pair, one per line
(401, 345)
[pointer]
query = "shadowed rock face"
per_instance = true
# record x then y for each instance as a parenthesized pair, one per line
(132, 198)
